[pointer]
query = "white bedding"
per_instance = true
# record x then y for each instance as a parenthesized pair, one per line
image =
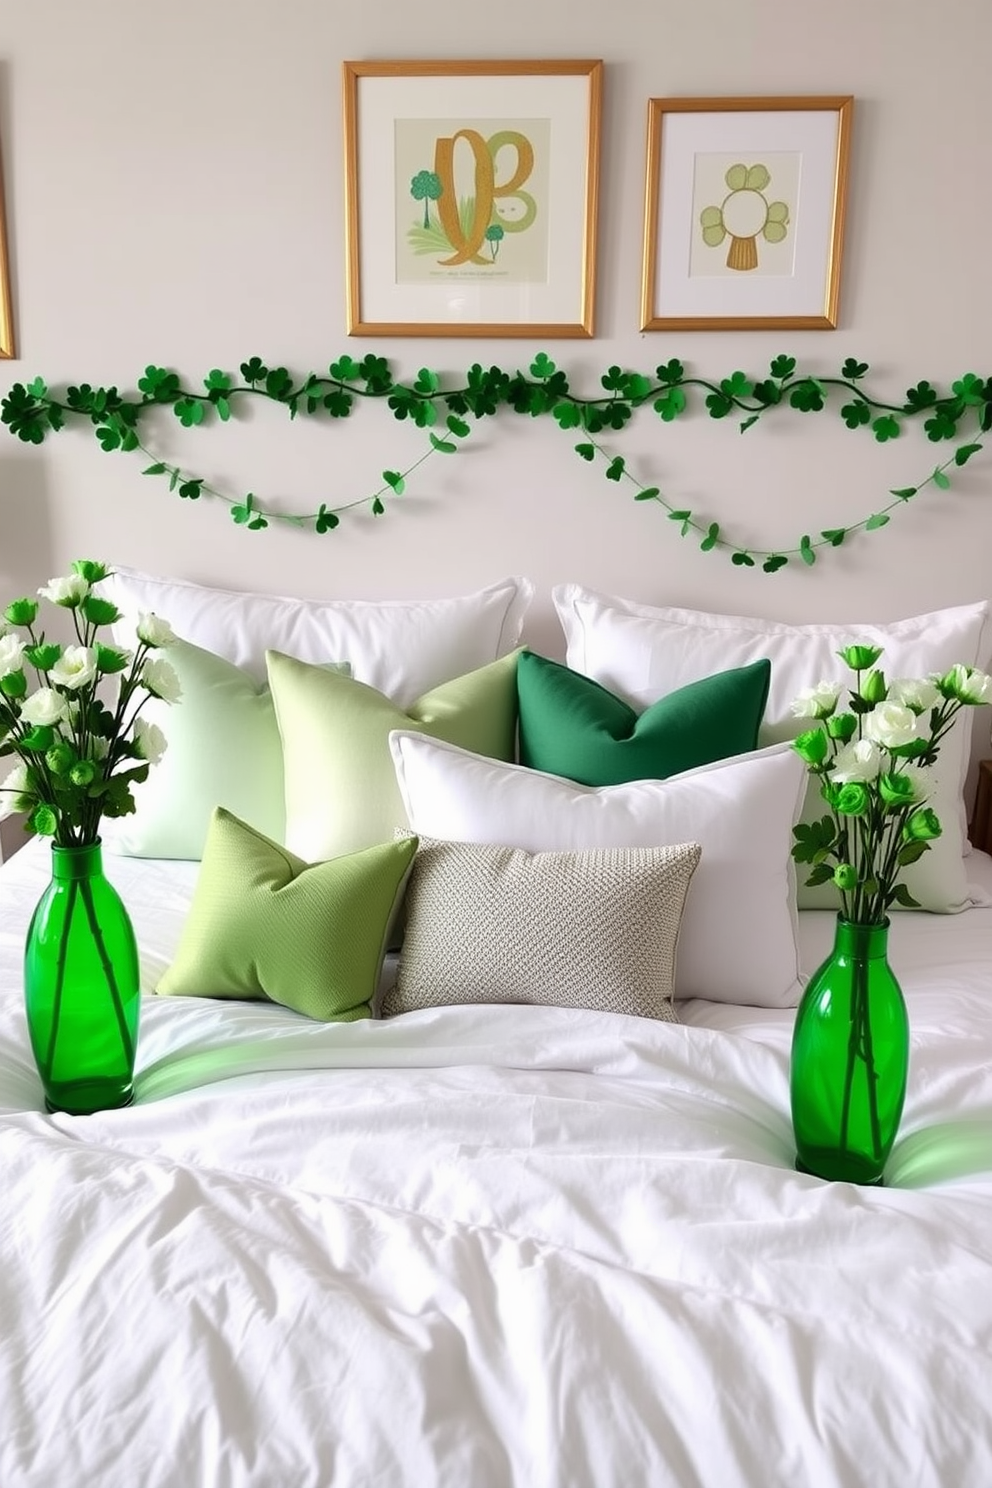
(491, 1246)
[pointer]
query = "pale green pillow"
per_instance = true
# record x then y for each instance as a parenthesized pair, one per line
(341, 791)
(223, 750)
(265, 924)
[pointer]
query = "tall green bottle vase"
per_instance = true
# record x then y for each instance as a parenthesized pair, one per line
(850, 1059)
(82, 987)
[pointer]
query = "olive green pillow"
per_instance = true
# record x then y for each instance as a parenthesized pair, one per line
(265, 924)
(341, 791)
(573, 726)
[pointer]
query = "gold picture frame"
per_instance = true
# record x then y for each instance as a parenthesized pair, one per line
(7, 346)
(507, 242)
(742, 159)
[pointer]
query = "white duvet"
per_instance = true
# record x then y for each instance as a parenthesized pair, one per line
(507, 1246)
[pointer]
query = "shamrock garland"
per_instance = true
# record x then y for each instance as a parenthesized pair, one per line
(31, 412)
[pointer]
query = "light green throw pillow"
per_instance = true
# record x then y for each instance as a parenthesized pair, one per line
(265, 924)
(341, 791)
(223, 749)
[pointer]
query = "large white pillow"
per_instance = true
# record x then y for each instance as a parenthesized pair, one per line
(401, 647)
(643, 652)
(738, 940)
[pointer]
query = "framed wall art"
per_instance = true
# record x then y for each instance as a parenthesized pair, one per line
(744, 212)
(470, 197)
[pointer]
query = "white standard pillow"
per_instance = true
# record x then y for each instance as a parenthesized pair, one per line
(739, 931)
(643, 652)
(403, 648)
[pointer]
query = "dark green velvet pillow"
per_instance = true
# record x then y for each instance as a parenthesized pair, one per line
(572, 726)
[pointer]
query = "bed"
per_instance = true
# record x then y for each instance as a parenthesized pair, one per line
(493, 1243)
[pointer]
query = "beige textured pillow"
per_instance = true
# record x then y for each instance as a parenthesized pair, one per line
(595, 930)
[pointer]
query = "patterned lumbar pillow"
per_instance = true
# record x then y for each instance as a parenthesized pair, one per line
(594, 930)
(573, 726)
(263, 924)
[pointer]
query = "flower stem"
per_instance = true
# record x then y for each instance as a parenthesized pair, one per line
(108, 970)
(59, 984)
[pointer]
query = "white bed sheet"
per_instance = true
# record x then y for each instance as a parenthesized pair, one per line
(491, 1246)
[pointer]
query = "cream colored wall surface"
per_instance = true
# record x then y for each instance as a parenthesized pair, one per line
(174, 194)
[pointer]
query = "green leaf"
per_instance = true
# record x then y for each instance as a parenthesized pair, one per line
(542, 366)
(636, 386)
(243, 512)
(940, 480)
(876, 520)
(852, 370)
(942, 426)
(458, 426)
(217, 381)
(834, 535)
(670, 404)
(252, 371)
(326, 520)
(905, 492)
(737, 385)
(99, 611)
(278, 384)
(157, 469)
(615, 468)
(964, 454)
(345, 369)
(748, 422)
(923, 395)
(719, 405)
(587, 451)
(427, 382)
(672, 371)
(37, 388)
(109, 438)
(774, 561)
(189, 411)
(377, 507)
(783, 367)
(969, 388)
(567, 414)
(191, 490)
(338, 404)
(395, 481)
(444, 446)
(742, 559)
(650, 493)
(712, 537)
(223, 408)
(855, 414)
(613, 379)
(806, 551)
(886, 428)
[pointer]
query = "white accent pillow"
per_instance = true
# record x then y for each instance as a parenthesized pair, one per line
(643, 652)
(738, 942)
(223, 749)
(494, 924)
(401, 647)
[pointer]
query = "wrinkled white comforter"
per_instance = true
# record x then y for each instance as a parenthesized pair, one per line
(507, 1246)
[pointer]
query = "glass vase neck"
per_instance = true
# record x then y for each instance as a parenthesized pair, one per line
(853, 938)
(77, 862)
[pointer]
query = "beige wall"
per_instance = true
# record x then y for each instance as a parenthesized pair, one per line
(174, 194)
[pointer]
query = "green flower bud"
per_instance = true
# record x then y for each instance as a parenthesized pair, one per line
(873, 688)
(896, 790)
(59, 758)
(922, 826)
(842, 726)
(14, 685)
(845, 877)
(860, 658)
(852, 799)
(811, 746)
(21, 612)
(83, 772)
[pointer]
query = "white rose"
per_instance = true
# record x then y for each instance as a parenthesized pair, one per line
(920, 779)
(860, 760)
(44, 708)
(11, 655)
(891, 724)
(155, 631)
(13, 788)
(68, 590)
(149, 740)
(970, 685)
(161, 679)
(75, 668)
(816, 702)
(918, 693)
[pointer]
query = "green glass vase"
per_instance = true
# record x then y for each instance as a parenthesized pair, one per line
(850, 1059)
(82, 987)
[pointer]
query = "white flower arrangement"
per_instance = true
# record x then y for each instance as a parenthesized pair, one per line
(873, 761)
(79, 741)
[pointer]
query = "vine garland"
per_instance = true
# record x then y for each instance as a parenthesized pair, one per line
(31, 412)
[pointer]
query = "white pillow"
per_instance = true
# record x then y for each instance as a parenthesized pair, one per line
(496, 924)
(643, 652)
(401, 647)
(738, 940)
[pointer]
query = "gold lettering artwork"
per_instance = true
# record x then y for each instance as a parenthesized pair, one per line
(475, 226)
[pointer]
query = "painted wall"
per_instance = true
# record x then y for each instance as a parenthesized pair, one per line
(174, 194)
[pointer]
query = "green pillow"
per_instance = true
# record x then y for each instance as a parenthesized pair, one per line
(341, 791)
(265, 924)
(222, 749)
(573, 726)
